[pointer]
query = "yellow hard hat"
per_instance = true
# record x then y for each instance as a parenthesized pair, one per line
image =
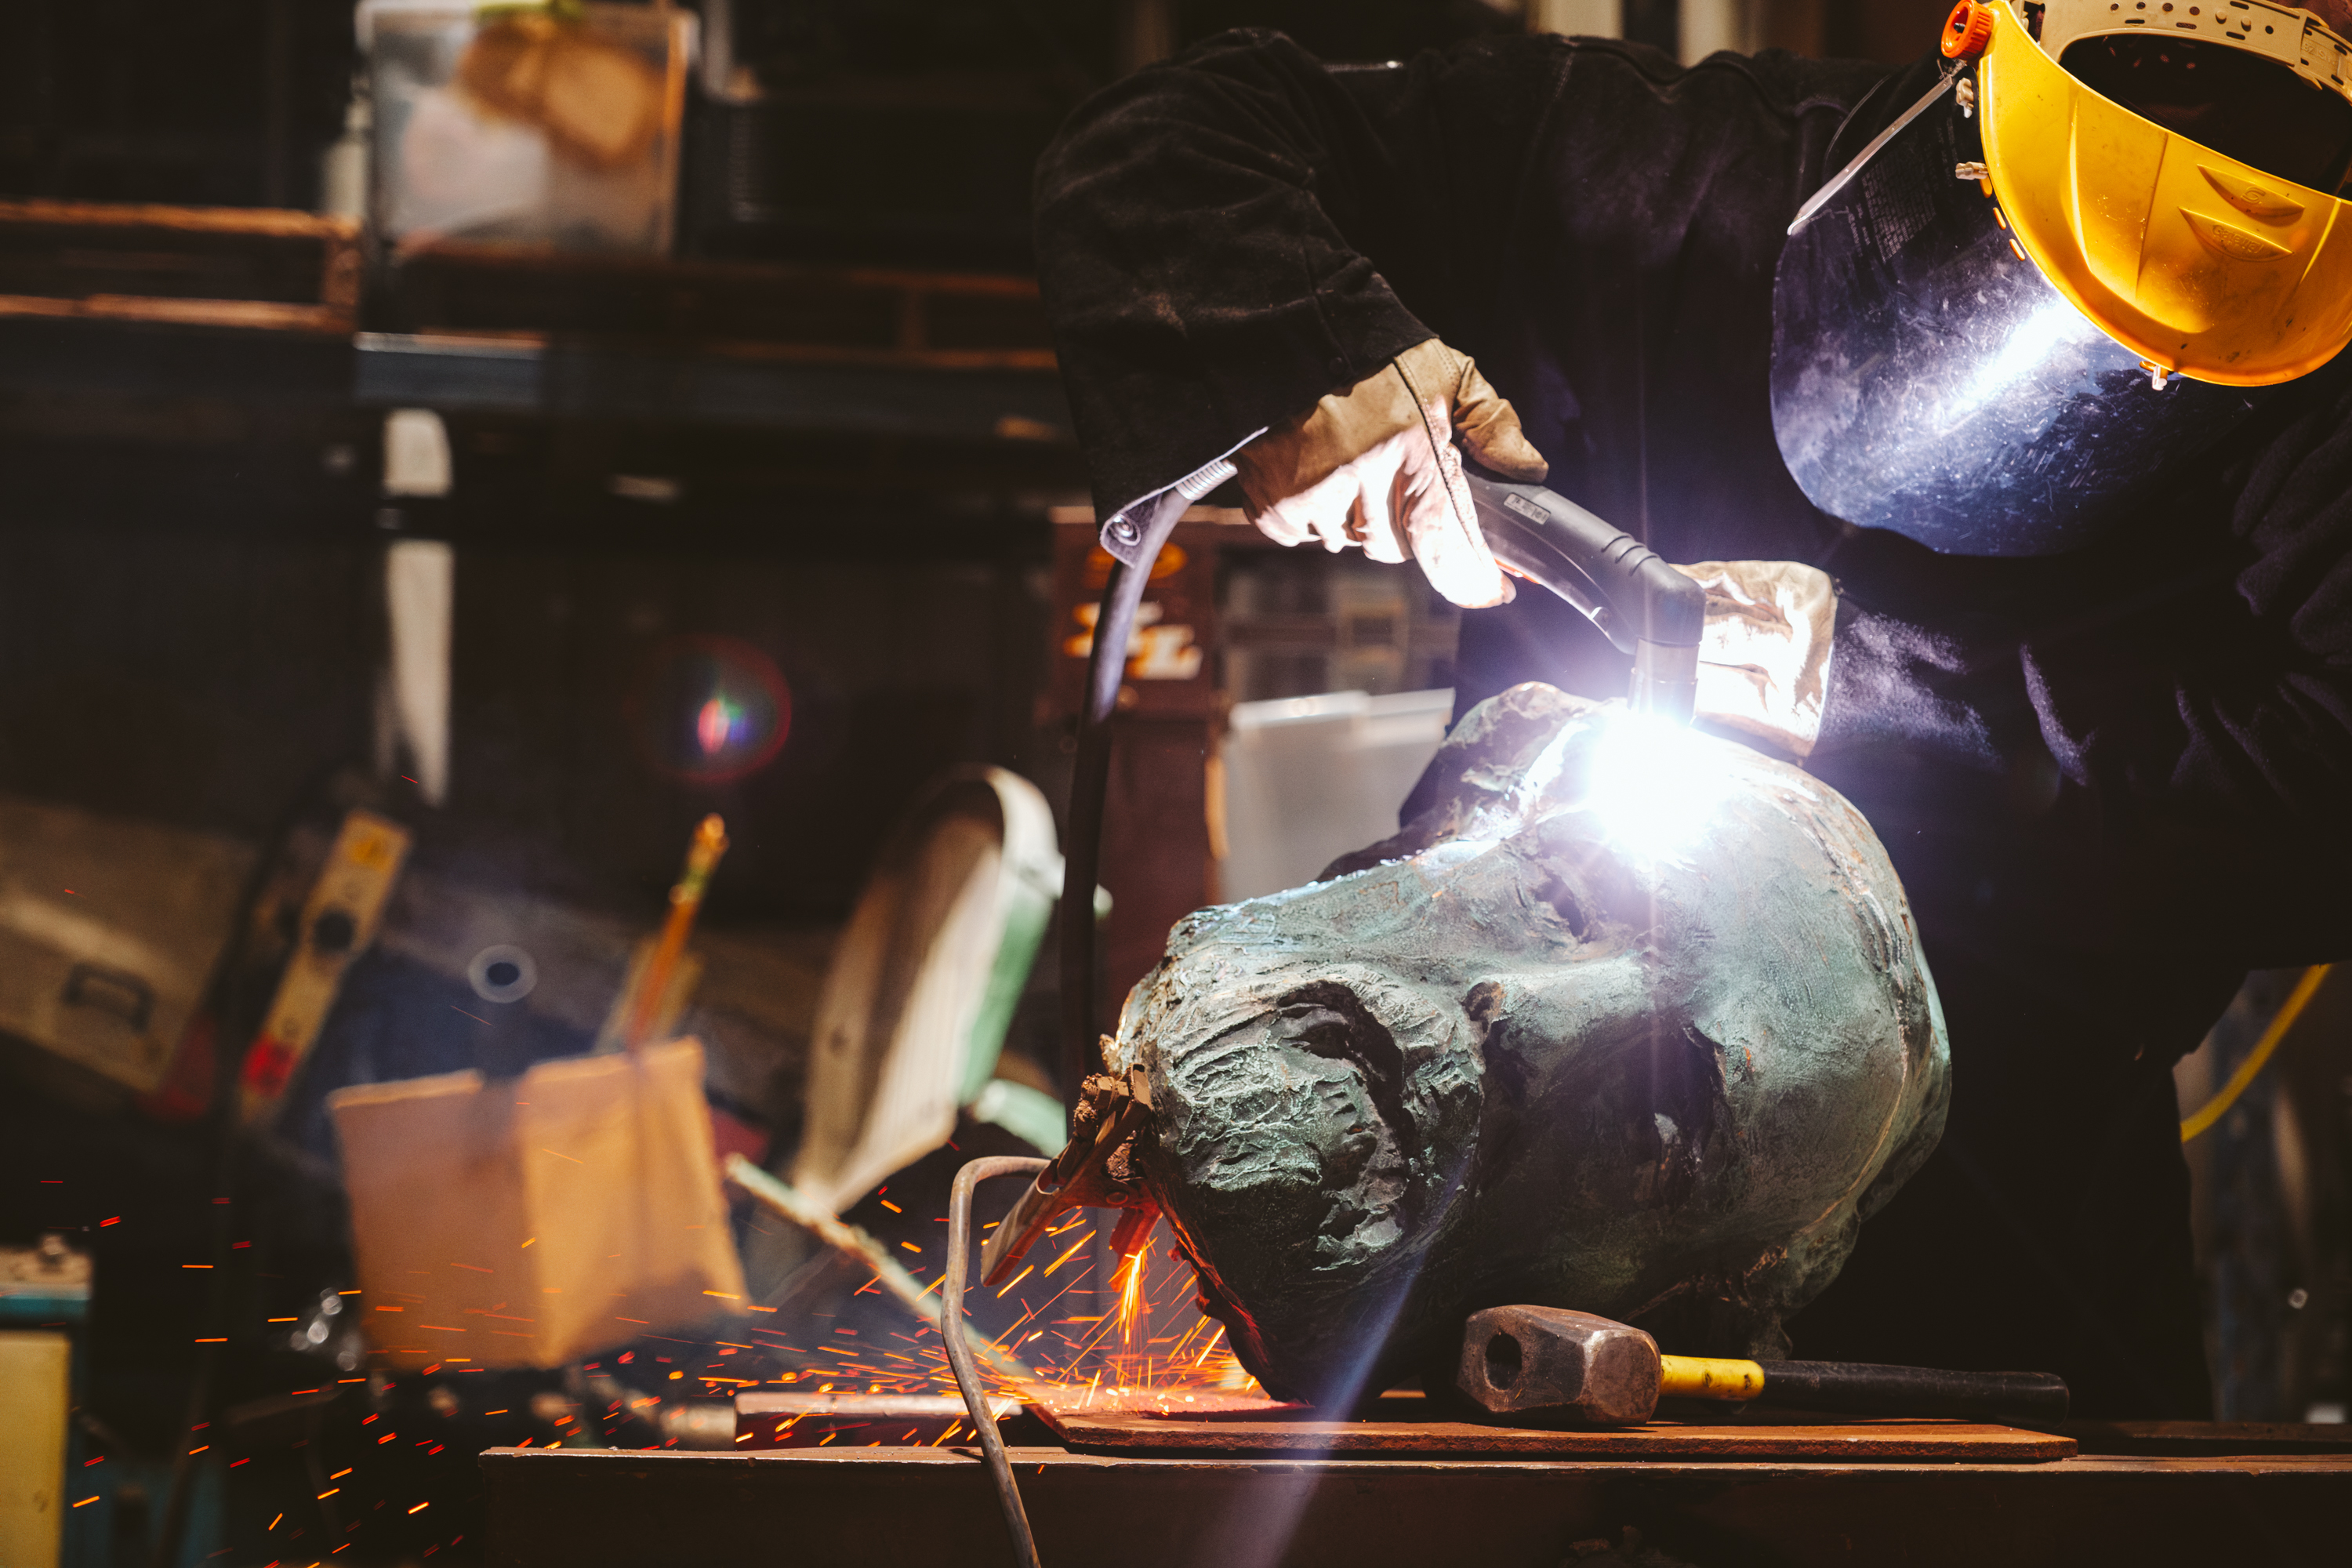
(2173, 169)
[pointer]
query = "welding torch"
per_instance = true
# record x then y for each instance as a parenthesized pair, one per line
(1634, 599)
(1639, 602)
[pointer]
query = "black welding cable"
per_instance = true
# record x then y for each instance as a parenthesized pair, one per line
(967, 1375)
(1134, 546)
(1082, 840)
(1082, 847)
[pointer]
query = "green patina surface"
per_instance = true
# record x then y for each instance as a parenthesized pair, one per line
(1508, 1060)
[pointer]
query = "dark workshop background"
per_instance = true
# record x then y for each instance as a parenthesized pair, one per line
(193, 526)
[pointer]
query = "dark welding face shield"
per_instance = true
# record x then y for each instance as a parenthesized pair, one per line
(2074, 261)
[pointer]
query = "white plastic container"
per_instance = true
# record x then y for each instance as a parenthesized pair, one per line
(555, 126)
(1309, 779)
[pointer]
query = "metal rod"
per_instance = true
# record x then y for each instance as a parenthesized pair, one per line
(967, 1376)
(910, 1293)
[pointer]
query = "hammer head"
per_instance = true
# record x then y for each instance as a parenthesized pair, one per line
(1551, 1364)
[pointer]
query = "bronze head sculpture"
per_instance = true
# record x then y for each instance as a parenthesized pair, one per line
(1528, 1052)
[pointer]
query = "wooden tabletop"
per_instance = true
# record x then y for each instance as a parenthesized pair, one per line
(2285, 1500)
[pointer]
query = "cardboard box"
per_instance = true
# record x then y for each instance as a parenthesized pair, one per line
(540, 1220)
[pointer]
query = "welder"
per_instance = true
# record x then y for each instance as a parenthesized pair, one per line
(1998, 401)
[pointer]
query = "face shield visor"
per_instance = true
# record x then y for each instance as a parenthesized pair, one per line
(2073, 263)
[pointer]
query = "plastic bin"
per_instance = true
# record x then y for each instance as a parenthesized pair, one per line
(1309, 779)
(554, 127)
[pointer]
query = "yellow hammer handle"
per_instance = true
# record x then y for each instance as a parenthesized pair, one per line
(1703, 1377)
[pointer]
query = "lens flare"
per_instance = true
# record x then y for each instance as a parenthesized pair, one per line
(711, 710)
(718, 723)
(1655, 785)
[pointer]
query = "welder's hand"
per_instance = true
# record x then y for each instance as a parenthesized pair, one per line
(1764, 657)
(1376, 466)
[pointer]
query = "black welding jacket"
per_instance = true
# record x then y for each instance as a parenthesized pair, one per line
(2113, 781)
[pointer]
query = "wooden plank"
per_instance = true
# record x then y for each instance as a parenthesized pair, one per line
(275, 223)
(329, 321)
(588, 1509)
(1282, 1433)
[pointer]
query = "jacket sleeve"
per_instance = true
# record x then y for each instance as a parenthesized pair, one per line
(2165, 740)
(1223, 238)
(2248, 717)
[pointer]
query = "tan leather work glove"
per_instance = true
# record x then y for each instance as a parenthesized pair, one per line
(1376, 466)
(1764, 656)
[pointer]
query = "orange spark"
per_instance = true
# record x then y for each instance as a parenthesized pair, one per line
(1130, 1298)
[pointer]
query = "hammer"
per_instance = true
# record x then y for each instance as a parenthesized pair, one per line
(1551, 1364)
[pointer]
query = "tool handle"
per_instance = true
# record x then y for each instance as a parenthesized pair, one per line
(1708, 1377)
(1617, 582)
(1855, 1388)
(702, 854)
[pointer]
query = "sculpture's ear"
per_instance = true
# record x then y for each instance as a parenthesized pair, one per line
(1476, 771)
